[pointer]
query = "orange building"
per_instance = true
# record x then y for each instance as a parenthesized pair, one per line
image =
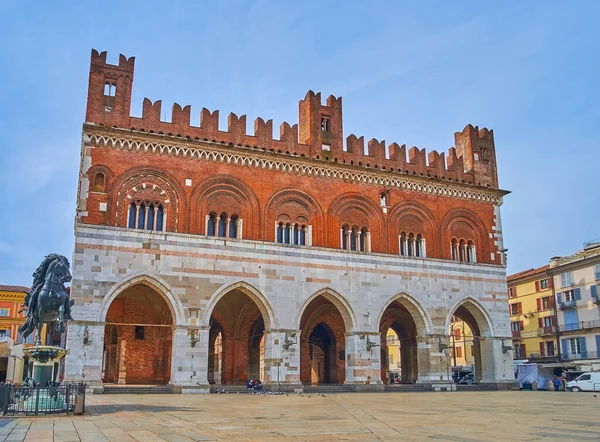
(11, 317)
(11, 298)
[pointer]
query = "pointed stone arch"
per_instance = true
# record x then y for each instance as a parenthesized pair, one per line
(479, 313)
(472, 313)
(338, 301)
(419, 314)
(141, 314)
(252, 292)
(158, 284)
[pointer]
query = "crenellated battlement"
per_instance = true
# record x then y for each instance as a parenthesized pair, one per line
(125, 64)
(318, 134)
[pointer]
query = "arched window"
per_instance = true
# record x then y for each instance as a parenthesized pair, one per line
(403, 243)
(131, 216)
(363, 243)
(146, 215)
(211, 225)
(345, 233)
(292, 233)
(420, 246)
(412, 244)
(302, 240)
(110, 89)
(471, 255)
(160, 217)
(141, 219)
(233, 226)
(353, 235)
(98, 182)
(150, 217)
(222, 231)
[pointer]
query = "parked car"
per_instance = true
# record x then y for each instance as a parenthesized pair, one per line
(467, 379)
(589, 381)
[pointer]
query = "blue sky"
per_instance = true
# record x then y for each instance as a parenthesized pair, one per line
(407, 73)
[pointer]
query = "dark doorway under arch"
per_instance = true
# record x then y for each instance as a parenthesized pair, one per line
(398, 318)
(236, 340)
(322, 344)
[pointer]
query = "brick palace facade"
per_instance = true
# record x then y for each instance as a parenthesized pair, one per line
(206, 255)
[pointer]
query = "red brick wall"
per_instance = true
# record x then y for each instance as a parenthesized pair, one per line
(147, 361)
(260, 196)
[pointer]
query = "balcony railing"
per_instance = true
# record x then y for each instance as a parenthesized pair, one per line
(545, 331)
(591, 243)
(565, 305)
(582, 355)
(581, 325)
(516, 334)
(543, 357)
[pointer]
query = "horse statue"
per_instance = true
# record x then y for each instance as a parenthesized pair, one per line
(48, 301)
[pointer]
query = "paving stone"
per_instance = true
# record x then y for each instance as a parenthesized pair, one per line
(459, 416)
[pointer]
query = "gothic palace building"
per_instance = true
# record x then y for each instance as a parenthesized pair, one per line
(206, 255)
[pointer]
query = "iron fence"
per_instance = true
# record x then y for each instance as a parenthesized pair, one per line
(64, 398)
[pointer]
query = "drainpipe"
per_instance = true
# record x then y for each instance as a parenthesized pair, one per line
(557, 332)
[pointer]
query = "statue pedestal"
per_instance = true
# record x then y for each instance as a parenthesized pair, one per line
(45, 358)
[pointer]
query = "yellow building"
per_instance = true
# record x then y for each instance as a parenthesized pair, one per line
(532, 314)
(462, 345)
(393, 355)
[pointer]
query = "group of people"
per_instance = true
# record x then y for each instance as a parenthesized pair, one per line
(254, 384)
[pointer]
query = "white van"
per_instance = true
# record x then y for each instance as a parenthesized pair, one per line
(589, 381)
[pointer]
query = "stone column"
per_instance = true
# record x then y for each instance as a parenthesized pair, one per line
(363, 365)
(282, 360)
(189, 365)
(122, 380)
(434, 366)
(137, 215)
(146, 210)
(85, 341)
(496, 366)
(154, 218)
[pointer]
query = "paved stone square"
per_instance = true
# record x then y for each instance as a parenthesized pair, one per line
(460, 416)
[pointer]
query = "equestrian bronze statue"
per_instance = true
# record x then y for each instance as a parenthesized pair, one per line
(48, 301)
